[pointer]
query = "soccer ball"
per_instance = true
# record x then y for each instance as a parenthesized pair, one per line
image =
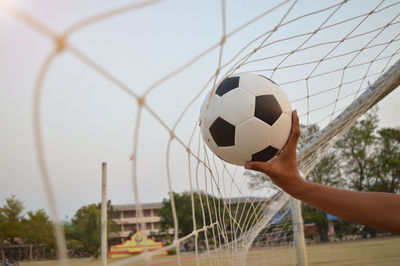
(248, 118)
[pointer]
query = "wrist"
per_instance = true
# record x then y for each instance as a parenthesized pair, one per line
(298, 187)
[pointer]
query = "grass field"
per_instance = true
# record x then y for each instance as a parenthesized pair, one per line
(381, 251)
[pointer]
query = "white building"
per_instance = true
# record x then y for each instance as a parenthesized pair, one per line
(125, 215)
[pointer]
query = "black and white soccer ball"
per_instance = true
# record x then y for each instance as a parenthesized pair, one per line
(248, 118)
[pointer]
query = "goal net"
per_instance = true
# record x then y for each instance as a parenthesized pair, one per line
(334, 60)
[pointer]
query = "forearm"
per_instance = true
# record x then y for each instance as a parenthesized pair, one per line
(375, 209)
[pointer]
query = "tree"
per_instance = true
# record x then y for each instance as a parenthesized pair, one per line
(2, 226)
(35, 229)
(385, 173)
(83, 233)
(86, 228)
(357, 151)
(38, 229)
(11, 215)
(71, 236)
(183, 204)
(327, 171)
(234, 217)
(371, 157)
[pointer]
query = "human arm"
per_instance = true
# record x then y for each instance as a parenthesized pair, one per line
(375, 209)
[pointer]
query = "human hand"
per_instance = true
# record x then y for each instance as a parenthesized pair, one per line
(283, 169)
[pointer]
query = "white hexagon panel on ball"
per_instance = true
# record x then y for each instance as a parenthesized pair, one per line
(237, 106)
(256, 84)
(260, 135)
(234, 155)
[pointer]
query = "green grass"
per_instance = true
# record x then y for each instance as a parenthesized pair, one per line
(380, 251)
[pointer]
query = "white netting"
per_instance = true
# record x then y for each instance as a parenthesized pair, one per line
(322, 54)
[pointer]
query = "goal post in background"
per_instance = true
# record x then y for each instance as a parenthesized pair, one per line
(104, 207)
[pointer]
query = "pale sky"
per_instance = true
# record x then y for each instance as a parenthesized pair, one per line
(88, 120)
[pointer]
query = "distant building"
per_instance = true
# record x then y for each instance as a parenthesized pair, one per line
(125, 215)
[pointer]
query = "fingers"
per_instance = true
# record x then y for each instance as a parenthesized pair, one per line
(294, 135)
(257, 166)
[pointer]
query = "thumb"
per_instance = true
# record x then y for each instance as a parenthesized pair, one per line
(257, 166)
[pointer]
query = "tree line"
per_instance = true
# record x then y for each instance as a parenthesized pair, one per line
(36, 228)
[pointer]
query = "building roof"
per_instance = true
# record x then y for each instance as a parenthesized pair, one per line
(124, 207)
(156, 205)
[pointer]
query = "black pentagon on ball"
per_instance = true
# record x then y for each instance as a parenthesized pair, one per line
(265, 155)
(227, 85)
(223, 132)
(268, 79)
(267, 109)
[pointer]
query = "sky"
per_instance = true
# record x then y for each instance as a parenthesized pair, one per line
(87, 120)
